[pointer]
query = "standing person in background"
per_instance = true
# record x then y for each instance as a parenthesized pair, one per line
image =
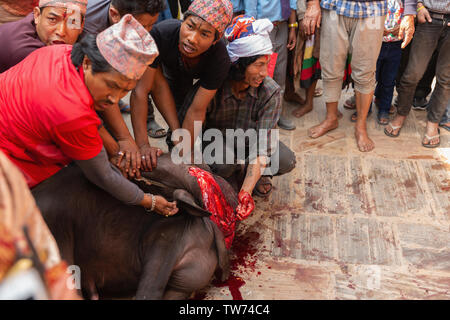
(389, 60)
(355, 26)
(306, 63)
(282, 13)
(433, 33)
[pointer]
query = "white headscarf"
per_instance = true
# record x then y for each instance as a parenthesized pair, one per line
(248, 37)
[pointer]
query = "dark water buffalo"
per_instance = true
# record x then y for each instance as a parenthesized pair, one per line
(124, 251)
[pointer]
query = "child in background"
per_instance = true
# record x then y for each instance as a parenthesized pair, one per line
(388, 60)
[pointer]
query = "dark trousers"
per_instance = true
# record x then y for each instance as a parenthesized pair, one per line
(387, 66)
(428, 38)
(423, 88)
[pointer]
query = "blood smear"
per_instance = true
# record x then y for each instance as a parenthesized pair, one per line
(222, 214)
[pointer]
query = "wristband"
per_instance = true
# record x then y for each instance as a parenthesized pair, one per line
(153, 202)
(293, 25)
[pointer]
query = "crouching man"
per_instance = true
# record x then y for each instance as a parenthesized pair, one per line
(249, 99)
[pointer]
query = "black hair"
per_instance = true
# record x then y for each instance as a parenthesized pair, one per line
(237, 70)
(88, 47)
(135, 7)
(190, 13)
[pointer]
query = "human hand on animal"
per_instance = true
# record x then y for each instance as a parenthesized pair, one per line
(129, 152)
(245, 206)
(149, 157)
(162, 206)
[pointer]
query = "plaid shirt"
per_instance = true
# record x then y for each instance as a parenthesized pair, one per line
(356, 9)
(259, 109)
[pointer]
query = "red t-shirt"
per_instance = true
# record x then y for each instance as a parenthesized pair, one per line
(46, 114)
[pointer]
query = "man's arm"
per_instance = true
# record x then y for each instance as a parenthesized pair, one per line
(139, 113)
(127, 145)
(246, 204)
(164, 101)
(313, 17)
(197, 110)
(139, 106)
(407, 28)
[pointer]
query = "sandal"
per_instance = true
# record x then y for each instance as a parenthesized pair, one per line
(429, 145)
(124, 108)
(154, 130)
(318, 92)
(263, 181)
(350, 103)
(389, 134)
(383, 118)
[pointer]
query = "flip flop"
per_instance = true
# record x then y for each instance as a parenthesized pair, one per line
(393, 129)
(124, 107)
(262, 181)
(153, 128)
(318, 92)
(428, 145)
(350, 103)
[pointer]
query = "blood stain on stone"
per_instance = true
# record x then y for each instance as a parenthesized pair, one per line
(243, 253)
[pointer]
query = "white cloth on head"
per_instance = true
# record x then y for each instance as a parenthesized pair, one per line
(257, 43)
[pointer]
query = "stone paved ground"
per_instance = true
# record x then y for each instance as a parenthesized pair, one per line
(348, 225)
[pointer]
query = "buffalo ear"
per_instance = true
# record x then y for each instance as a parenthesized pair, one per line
(186, 201)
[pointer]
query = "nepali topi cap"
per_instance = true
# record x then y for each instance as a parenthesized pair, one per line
(74, 4)
(128, 47)
(217, 13)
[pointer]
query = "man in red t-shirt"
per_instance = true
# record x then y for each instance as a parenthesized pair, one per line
(48, 104)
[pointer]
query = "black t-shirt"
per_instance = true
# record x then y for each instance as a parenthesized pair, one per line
(212, 69)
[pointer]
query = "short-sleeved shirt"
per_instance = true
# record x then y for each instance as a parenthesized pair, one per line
(212, 69)
(18, 39)
(46, 114)
(97, 17)
(259, 109)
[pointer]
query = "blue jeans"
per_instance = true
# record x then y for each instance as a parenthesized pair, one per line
(387, 66)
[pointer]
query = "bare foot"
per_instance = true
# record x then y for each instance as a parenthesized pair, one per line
(294, 97)
(365, 144)
(322, 128)
(302, 110)
(396, 122)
